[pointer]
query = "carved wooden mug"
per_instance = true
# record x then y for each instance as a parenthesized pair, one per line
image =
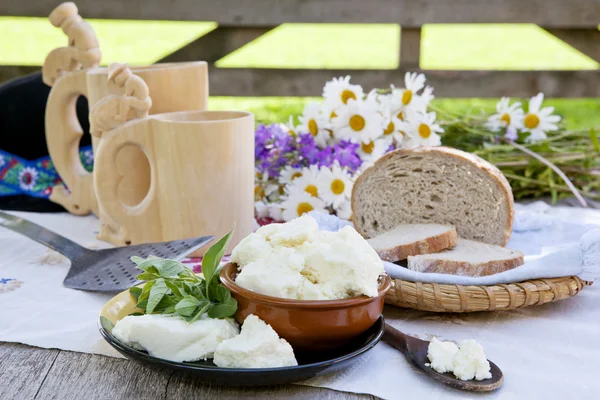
(201, 174)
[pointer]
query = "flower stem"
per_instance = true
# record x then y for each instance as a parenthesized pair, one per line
(554, 168)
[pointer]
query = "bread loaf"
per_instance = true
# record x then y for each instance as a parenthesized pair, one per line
(434, 185)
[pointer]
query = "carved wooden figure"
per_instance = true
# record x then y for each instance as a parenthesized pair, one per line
(82, 50)
(115, 110)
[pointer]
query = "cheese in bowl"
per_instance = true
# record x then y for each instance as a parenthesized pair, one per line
(297, 261)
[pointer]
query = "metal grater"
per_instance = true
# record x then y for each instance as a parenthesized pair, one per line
(108, 270)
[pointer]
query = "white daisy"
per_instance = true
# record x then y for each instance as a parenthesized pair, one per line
(28, 178)
(373, 150)
(408, 96)
(298, 203)
(288, 174)
(308, 182)
(338, 91)
(335, 185)
(394, 129)
(260, 210)
(275, 211)
(262, 187)
(344, 210)
(312, 122)
(539, 120)
(360, 121)
(507, 116)
(421, 130)
(289, 127)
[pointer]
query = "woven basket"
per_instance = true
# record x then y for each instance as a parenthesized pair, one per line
(457, 298)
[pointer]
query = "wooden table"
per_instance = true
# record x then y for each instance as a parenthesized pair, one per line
(33, 373)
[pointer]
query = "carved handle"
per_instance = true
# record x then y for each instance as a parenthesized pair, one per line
(113, 110)
(82, 50)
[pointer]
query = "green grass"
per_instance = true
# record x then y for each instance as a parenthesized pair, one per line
(26, 41)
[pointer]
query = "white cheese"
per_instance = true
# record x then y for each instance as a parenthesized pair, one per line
(172, 338)
(470, 362)
(257, 346)
(467, 361)
(297, 261)
(441, 355)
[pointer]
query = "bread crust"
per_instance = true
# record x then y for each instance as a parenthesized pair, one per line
(432, 244)
(464, 268)
(477, 162)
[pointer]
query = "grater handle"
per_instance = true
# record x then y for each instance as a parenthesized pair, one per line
(61, 244)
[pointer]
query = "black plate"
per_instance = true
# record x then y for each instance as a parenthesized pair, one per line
(310, 364)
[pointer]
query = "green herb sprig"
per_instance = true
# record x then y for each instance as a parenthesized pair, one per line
(173, 288)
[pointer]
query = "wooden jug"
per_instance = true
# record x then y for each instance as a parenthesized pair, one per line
(201, 174)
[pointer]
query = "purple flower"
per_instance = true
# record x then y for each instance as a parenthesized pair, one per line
(345, 153)
(325, 157)
(511, 134)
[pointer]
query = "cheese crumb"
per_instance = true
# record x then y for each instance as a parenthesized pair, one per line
(441, 355)
(257, 346)
(467, 361)
(172, 338)
(297, 261)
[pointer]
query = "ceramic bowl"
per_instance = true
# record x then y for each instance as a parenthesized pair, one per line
(307, 324)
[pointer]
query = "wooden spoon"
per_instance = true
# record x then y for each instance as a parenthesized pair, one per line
(416, 351)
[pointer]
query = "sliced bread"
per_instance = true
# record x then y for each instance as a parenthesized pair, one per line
(413, 239)
(468, 258)
(434, 185)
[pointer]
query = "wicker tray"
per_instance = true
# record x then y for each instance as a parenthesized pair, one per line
(457, 298)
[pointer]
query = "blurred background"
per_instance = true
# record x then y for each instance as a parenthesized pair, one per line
(375, 54)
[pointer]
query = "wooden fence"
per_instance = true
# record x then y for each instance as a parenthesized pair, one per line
(241, 21)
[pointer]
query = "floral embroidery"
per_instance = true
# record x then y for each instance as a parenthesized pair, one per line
(34, 178)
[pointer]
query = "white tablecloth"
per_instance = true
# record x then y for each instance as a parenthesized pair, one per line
(546, 352)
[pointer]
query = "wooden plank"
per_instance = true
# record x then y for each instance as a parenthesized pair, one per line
(87, 376)
(410, 47)
(584, 40)
(216, 44)
(299, 82)
(23, 370)
(182, 386)
(454, 84)
(408, 13)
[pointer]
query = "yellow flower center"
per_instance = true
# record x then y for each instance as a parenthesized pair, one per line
(281, 190)
(406, 97)
(259, 192)
(506, 119)
(400, 116)
(304, 208)
(337, 186)
(312, 190)
(332, 115)
(312, 127)
(424, 131)
(296, 175)
(531, 121)
(390, 128)
(357, 123)
(367, 148)
(291, 133)
(347, 95)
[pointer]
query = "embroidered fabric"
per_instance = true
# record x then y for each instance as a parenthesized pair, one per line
(36, 177)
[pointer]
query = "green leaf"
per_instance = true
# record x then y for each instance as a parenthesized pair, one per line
(168, 302)
(177, 288)
(201, 311)
(147, 276)
(143, 299)
(187, 306)
(164, 268)
(223, 310)
(218, 293)
(213, 257)
(136, 314)
(135, 292)
(158, 290)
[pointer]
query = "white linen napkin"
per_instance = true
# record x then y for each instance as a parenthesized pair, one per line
(553, 247)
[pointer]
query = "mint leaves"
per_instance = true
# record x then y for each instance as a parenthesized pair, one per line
(173, 288)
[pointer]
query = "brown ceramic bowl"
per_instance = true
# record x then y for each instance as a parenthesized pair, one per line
(307, 324)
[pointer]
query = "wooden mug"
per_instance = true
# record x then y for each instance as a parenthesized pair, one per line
(174, 87)
(201, 174)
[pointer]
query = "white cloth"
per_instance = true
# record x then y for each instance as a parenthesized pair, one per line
(547, 351)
